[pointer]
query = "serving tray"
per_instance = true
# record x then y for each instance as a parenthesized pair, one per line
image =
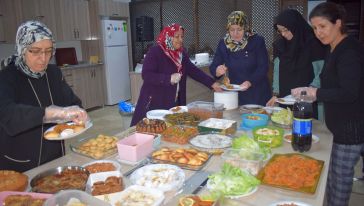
(182, 165)
(304, 189)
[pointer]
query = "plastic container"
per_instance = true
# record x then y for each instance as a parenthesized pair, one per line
(102, 176)
(269, 136)
(246, 160)
(135, 147)
(132, 194)
(114, 163)
(251, 121)
(206, 110)
(63, 198)
(222, 126)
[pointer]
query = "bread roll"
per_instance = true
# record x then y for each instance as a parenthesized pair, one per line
(78, 128)
(51, 134)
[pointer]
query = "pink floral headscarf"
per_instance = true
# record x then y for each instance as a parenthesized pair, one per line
(164, 40)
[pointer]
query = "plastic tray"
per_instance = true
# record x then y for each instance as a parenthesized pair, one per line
(181, 165)
(310, 190)
(75, 147)
(119, 197)
(63, 198)
(4, 194)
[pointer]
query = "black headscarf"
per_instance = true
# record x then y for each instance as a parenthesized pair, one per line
(296, 55)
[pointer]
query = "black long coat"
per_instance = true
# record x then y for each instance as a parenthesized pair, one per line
(21, 117)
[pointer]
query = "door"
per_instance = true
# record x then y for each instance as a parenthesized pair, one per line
(114, 32)
(117, 74)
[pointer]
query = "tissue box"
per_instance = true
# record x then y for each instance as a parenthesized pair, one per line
(135, 147)
(222, 126)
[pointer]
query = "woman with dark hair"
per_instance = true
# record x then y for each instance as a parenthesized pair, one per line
(342, 92)
(165, 70)
(242, 55)
(298, 55)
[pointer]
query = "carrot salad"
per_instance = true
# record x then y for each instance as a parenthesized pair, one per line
(292, 171)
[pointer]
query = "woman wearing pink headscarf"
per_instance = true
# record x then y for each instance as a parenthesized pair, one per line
(165, 70)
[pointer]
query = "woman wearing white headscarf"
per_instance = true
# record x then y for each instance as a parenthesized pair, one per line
(33, 94)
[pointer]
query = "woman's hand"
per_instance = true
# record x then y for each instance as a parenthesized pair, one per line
(56, 114)
(217, 87)
(272, 101)
(175, 78)
(221, 70)
(245, 85)
(310, 92)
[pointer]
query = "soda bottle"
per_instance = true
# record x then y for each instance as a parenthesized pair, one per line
(302, 123)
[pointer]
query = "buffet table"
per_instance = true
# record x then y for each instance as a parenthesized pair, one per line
(265, 195)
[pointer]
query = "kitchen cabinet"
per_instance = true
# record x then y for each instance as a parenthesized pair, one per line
(94, 82)
(113, 8)
(2, 37)
(11, 18)
(41, 10)
(87, 83)
(74, 23)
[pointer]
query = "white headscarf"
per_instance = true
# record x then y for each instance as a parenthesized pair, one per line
(27, 34)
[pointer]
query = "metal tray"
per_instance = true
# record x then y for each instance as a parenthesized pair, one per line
(55, 171)
(181, 165)
(310, 190)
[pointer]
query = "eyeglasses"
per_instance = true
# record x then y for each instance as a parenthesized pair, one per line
(39, 52)
(280, 31)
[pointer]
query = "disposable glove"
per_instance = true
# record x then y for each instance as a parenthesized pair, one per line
(175, 78)
(56, 114)
(310, 92)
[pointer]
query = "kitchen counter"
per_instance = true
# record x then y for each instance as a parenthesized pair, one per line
(265, 195)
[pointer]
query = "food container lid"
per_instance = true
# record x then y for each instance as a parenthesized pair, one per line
(242, 154)
(206, 105)
(64, 197)
(217, 123)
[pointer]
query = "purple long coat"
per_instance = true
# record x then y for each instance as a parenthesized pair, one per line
(157, 91)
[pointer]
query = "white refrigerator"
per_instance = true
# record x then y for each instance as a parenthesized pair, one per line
(116, 61)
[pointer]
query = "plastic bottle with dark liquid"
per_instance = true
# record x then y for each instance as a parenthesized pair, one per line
(302, 124)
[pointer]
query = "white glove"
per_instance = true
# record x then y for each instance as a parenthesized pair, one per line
(310, 92)
(56, 114)
(175, 78)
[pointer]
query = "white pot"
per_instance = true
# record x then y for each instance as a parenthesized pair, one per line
(229, 99)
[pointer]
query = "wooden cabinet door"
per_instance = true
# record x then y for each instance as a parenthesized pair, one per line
(12, 18)
(65, 14)
(2, 35)
(75, 79)
(80, 86)
(82, 20)
(113, 8)
(74, 20)
(95, 94)
(41, 10)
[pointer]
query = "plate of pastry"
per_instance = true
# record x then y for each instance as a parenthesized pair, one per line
(287, 100)
(232, 87)
(66, 130)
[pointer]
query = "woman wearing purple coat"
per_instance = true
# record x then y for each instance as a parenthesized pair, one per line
(165, 71)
